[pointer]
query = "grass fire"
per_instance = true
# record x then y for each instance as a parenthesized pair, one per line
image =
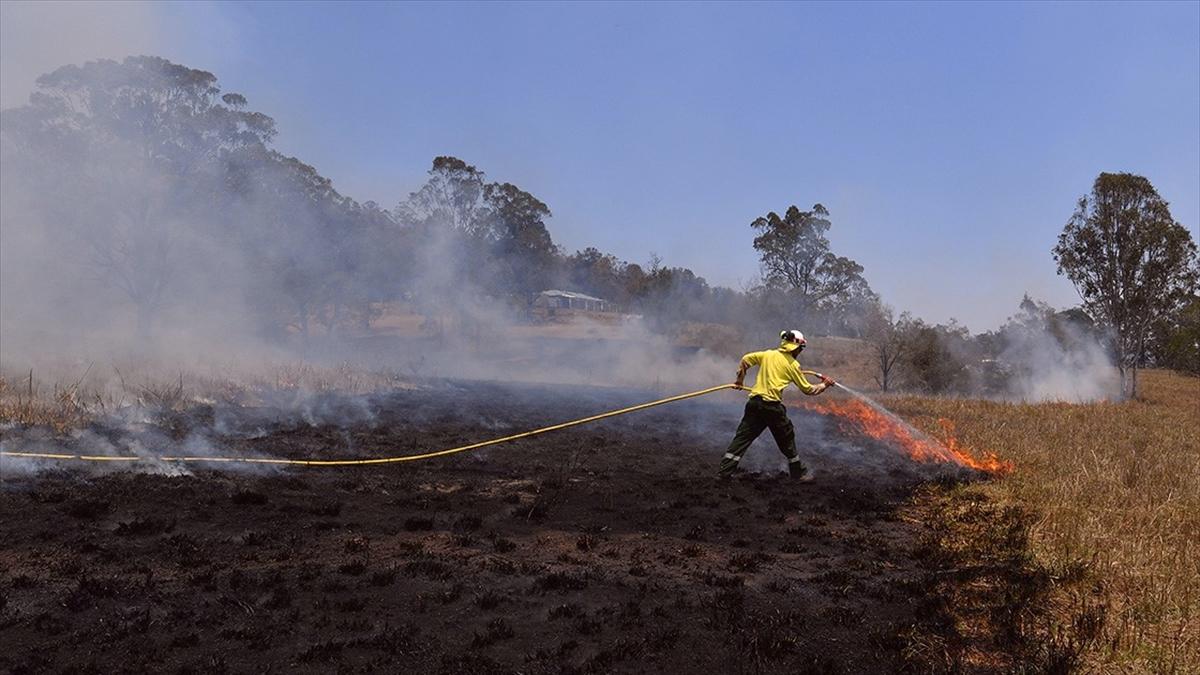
(863, 416)
(579, 338)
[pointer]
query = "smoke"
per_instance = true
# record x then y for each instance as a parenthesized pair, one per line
(145, 218)
(117, 241)
(38, 37)
(1055, 356)
(1040, 354)
(162, 420)
(1077, 371)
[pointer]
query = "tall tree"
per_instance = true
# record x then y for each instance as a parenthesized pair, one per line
(447, 219)
(300, 238)
(1131, 262)
(453, 197)
(795, 253)
(475, 242)
(136, 146)
(522, 245)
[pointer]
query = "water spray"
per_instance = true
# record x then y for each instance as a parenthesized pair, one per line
(878, 422)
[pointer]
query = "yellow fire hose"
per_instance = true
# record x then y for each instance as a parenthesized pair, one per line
(374, 460)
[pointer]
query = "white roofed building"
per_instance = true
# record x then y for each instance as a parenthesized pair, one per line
(552, 300)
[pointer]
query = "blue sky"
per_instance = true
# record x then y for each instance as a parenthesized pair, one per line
(949, 141)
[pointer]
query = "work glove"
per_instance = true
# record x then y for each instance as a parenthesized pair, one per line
(827, 381)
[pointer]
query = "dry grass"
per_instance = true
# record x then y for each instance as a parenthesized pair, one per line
(25, 402)
(62, 400)
(1113, 493)
(343, 377)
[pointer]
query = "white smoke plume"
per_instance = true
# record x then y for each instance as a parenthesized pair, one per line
(1056, 356)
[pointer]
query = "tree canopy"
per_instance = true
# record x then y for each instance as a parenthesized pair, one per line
(1131, 262)
(796, 255)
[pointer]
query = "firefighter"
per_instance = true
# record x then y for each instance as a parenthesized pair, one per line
(777, 368)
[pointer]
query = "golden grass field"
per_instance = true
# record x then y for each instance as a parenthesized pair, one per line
(1106, 500)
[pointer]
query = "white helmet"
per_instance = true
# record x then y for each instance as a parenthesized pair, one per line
(792, 340)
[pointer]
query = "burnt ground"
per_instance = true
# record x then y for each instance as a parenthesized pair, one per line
(604, 548)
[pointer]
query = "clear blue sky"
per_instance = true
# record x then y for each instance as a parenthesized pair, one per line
(949, 141)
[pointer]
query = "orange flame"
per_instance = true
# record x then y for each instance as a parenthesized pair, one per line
(858, 417)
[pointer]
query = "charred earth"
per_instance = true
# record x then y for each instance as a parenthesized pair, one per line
(605, 548)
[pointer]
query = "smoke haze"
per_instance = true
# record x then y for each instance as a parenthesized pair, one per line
(39, 37)
(149, 225)
(1078, 370)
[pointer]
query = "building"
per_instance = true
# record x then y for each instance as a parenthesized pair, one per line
(554, 301)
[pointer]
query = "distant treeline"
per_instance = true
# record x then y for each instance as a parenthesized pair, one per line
(137, 188)
(169, 193)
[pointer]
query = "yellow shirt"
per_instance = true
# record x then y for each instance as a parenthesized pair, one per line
(776, 370)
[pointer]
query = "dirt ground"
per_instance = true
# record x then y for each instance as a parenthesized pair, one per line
(604, 548)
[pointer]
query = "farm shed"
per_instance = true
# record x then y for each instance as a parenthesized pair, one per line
(555, 299)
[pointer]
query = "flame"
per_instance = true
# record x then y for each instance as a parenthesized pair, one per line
(855, 416)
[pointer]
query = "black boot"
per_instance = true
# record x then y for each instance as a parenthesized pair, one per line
(799, 472)
(729, 464)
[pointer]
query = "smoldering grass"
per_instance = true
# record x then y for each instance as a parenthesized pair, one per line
(152, 410)
(28, 405)
(18, 467)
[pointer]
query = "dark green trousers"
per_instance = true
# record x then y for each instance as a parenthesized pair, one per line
(762, 415)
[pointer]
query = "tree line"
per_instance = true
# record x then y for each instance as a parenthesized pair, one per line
(170, 194)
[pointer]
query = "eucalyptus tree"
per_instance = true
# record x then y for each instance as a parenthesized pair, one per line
(1131, 261)
(126, 158)
(795, 254)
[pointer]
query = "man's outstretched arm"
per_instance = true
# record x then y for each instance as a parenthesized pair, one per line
(810, 388)
(751, 359)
